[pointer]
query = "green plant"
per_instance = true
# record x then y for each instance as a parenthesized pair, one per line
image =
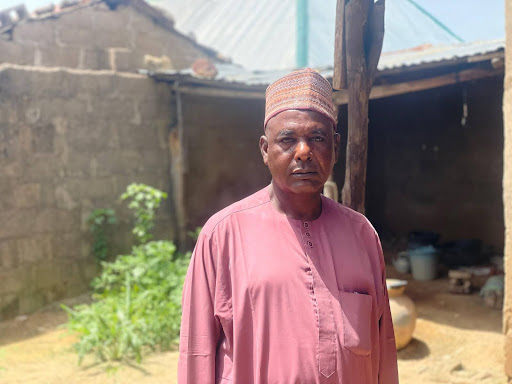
(137, 297)
(137, 304)
(98, 221)
(144, 201)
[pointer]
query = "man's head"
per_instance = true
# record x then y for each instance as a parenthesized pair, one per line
(300, 144)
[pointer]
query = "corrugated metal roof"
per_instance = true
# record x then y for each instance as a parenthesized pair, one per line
(439, 53)
(230, 73)
(261, 34)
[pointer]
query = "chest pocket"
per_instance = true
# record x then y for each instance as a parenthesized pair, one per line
(356, 312)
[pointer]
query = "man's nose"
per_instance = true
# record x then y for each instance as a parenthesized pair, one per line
(303, 151)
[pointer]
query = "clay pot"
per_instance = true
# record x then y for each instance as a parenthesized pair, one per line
(403, 312)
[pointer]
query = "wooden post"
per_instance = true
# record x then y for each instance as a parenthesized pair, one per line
(362, 32)
(339, 79)
(178, 158)
(507, 190)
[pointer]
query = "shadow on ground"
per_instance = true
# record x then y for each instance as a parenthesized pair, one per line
(415, 350)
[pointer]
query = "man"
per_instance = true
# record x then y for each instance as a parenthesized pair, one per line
(288, 286)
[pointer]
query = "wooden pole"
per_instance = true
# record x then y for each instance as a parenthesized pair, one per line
(364, 33)
(507, 191)
(339, 79)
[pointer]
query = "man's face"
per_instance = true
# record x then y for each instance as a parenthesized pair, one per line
(300, 148)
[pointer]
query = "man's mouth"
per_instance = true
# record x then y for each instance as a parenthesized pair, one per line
(303, 173)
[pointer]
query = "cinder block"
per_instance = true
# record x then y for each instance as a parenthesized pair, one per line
(43, 135)
(39, 168)
(119, 162)
(138, 137)
(31, 301)
(35, 249)
(82, 19)
(95, 59)
(64, 200)
(8, 254)
(16, 53)
(66, 246)
(12, 281)
(60, 56)
(15, 223)
(54, 220)
(45, 275)
(35, 32)
(7, 196)
(9, 306)
(27, 195)
(117, 22)
(89, 188)
(127, 61)
(100, 135)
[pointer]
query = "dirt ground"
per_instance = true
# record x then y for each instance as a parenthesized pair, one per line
(457, 340)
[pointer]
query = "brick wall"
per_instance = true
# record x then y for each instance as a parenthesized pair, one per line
(70, 142)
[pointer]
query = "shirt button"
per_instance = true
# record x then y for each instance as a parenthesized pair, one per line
(310, 244)
(306, 225)
(308, 234)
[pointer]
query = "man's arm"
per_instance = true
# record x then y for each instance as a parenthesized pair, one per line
(200, 328)
(388, 369)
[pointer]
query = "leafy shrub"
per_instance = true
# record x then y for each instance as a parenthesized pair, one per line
(98, 221)
(137, 304)
(136, 298)
(144, 201)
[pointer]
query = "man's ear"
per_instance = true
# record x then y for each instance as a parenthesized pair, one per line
(264, 148)
(337, 140)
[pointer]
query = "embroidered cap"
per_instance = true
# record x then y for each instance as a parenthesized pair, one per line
(304, 89)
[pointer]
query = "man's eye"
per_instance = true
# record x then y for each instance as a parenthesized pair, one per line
(286, 140)
(318, 138)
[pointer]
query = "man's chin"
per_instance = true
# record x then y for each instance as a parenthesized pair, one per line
(306, 187)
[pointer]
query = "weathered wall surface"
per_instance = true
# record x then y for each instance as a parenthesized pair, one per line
(425, 170)
(224, 160)
(507, 191)
(70, 142)
(95, 37)
(428, 171)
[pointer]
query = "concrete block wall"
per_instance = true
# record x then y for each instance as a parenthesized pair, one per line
(70, 142)
(96, 37)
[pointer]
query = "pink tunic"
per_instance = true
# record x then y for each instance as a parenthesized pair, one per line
(269, 299)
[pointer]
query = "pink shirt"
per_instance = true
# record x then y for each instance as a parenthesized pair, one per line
(269, 299)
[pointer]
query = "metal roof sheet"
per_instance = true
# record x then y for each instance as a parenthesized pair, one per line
(235, 74)
(261, 34)
(438, 53)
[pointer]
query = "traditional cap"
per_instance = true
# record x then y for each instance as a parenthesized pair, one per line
(303, 89)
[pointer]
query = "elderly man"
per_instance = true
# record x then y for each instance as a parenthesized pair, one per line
(287, 286)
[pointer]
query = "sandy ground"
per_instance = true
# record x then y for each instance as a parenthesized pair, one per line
(457, 340)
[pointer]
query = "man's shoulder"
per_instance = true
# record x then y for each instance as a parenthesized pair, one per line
(254, 201)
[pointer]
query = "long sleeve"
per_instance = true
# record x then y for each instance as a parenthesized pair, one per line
(200, 327)
(388, 369)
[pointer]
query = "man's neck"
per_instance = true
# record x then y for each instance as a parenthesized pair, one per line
(298, 206)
